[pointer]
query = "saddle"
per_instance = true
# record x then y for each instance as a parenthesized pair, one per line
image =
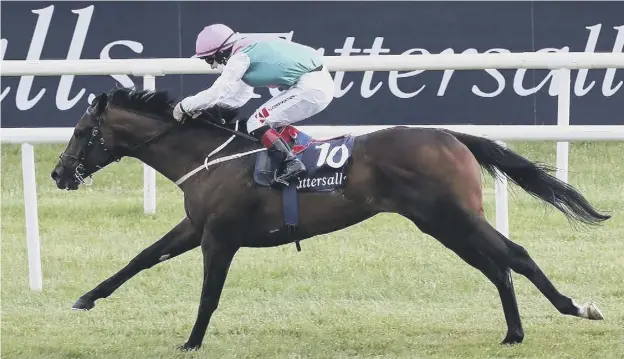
(325, 161)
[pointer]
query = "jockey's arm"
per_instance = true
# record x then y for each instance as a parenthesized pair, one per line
(241, 95)
(227, 89)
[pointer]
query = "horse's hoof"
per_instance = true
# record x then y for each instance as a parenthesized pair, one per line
(513, 338)
(188, 347)
(590, 311)
(83, 304)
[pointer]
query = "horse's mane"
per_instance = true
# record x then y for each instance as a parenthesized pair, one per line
(152, 102)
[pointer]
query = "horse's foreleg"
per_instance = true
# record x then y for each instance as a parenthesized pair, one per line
(182, 238)
(217, 259)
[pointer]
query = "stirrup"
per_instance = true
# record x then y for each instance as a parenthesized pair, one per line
(285, 178)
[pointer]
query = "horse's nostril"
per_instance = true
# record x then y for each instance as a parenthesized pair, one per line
(55, 175)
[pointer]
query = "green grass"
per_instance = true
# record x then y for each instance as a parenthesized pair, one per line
(380, 289)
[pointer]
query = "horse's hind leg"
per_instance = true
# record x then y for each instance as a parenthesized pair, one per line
(521, 262)
(464, 234)
(182, 238)
(500, 276)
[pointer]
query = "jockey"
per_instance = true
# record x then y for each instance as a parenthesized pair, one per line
(262, 62)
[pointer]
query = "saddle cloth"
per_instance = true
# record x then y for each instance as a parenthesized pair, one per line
(325, 161)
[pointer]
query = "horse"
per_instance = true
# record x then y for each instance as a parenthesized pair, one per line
(430, 176)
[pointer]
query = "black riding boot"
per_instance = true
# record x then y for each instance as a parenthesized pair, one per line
(271, 139)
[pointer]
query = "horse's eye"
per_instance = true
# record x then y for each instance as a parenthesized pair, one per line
(78, 132)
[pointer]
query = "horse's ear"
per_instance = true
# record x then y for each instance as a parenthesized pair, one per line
(99, 102)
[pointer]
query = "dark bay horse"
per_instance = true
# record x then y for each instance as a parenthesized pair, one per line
(430, 176)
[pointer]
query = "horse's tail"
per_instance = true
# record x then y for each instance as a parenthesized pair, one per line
(532, 177)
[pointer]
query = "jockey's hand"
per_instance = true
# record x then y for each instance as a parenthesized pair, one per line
(180, 115)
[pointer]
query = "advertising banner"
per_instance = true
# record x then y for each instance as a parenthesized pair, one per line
(167, 29)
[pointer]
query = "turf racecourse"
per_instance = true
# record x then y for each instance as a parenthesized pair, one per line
(379, 289)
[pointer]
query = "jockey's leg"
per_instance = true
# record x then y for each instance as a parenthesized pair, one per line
(309, 96)
(271, 139)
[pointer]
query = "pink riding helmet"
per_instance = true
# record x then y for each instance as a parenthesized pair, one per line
(213, 37)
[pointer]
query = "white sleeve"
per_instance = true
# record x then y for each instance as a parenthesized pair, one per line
(243, 93)
(225, 87)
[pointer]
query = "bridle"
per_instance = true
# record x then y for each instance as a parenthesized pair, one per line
(96, 136)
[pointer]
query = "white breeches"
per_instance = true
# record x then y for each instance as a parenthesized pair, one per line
(309, 96)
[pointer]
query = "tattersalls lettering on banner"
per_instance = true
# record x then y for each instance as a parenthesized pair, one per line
(25, 99)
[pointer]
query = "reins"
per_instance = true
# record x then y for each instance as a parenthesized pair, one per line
(212, 121)
(204, 118)
(238, 133)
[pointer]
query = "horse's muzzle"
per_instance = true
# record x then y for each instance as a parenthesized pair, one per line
(63, 181)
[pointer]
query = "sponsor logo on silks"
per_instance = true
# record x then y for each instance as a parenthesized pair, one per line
(282, 102)
(264, 113)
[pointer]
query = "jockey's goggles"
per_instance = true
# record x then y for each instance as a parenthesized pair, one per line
(218, 57)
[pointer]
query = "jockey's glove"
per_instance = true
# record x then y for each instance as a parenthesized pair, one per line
(180, 115)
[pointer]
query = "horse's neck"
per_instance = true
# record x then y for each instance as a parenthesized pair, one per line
(184, 149)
